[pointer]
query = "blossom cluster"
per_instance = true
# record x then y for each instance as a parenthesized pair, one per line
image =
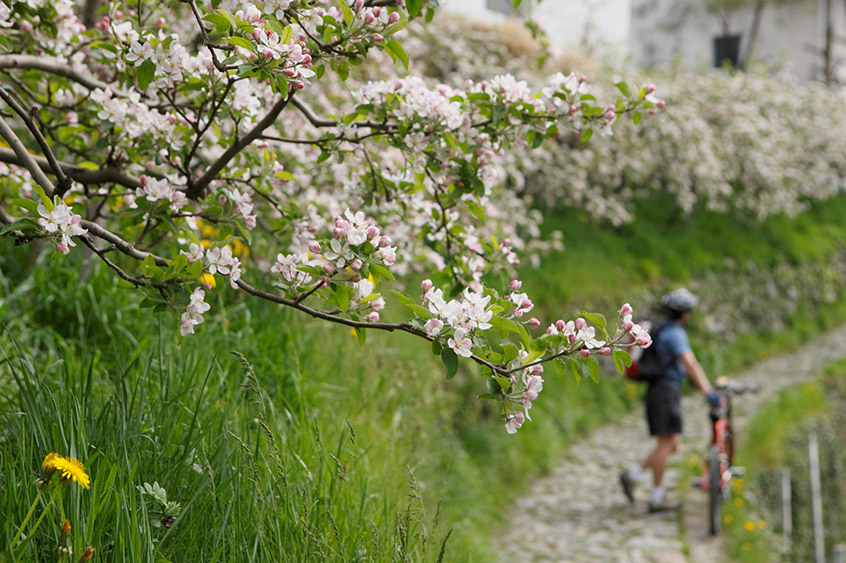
(193, 314)
(465, 316)
(61, 221)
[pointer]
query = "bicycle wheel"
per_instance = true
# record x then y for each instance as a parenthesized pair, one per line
(714, 492)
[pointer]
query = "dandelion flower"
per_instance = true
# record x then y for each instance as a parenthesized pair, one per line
(66, 528)
(749, 525)
(47, 469)
(86, 555)
(72, 470)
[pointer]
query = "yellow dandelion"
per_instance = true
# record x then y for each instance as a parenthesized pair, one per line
(47, 464)
(749, 525)
(239, 248)
(87, 554)
(208, 280)
(728, 519)
(738, 502)
(72, 470)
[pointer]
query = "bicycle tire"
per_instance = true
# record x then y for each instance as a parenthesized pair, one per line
(714, 491)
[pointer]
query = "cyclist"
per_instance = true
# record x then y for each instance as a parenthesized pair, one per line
(663, 398)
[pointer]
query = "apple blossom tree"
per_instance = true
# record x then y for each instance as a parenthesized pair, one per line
(187, 143)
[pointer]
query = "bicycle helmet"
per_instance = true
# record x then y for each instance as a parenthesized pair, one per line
(679, 300)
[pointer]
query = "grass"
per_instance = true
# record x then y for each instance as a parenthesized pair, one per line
(308, 447)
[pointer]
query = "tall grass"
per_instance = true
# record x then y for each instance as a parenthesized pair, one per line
(302, 446)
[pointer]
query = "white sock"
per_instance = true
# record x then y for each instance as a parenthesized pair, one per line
(634, 472)
(657, 495)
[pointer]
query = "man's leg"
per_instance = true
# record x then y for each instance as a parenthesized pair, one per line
(657, 458)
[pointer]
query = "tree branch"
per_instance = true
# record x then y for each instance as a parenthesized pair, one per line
(77, 173)
(120, 244)
(196, 189)
(26, 159)
(63, 181)
(54, 66)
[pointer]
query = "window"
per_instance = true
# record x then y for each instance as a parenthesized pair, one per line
(501, 6)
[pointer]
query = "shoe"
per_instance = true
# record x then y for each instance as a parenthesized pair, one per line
(664, 506)
(628, 485)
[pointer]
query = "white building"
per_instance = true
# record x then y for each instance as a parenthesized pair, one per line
(585, 25)
(656, 32)
(791, 35)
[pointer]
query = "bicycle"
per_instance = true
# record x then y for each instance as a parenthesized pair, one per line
(719, 468)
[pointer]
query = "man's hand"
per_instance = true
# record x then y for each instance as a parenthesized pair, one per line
(713, 399)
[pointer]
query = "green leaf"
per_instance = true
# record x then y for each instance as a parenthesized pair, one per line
(287, 35)
(348, 15)
(574, 367)
(362, 336)
(636, 117)
(404, 299)
(597, 319)
(593, 368)
(437, 347)
(240, 42)
(516, 3)
(146, 73)
(450, 360)
(586, 135)
(22, 225)
(27, 204)
(221, 23)
(421, 312)
(509, 352)
(382, 271)
(398, 49)
(282, 85)
(622, 360)
(624, 89)
(415, 8)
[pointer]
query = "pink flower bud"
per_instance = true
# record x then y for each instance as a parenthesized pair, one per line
(372, 231)
(560, 325)
(582, 78)
(160, 22)
(299, 85)
(628, 326)
(577, 133)
(626, 309)
(373, 317)
(426, 285)
(359, 4)
(257, 33)
(356, 264)
(650, 88)
(573, 108)
(369, 18)
(516, 285)
(534, 322)
(289, 72)
(584, 352)
(377, 38)
(394, 17)
(571, 337)
(314, 246)
(581, 324)
(605, 350)
(661, 104)
(337, 232)
(653, 111)
(385, 241)
(550, 330)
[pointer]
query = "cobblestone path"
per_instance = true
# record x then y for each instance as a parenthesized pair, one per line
(579, 513)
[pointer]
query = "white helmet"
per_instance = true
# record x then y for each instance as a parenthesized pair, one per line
(679, 300)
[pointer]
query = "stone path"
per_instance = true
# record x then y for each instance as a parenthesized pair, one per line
(579, 513)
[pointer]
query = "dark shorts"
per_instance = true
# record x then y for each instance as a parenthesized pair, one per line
(663, 410)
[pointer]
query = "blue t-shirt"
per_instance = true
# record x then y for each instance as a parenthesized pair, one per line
(672, 342)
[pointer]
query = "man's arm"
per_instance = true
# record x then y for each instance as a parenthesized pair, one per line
(695, 372)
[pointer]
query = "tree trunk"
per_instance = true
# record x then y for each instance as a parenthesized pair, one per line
(753, 33)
